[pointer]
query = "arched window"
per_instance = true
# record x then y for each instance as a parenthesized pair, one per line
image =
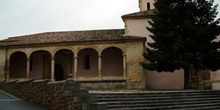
(148, 6)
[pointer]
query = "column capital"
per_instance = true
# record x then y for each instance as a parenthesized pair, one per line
(52, 58)
(28, 58)
(75, 56)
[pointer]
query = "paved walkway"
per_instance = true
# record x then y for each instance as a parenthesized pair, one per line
(9, 102)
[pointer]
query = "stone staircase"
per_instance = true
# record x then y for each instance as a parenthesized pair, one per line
(160, 100)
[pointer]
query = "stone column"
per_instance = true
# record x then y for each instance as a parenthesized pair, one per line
(100, 66)
(52, 68)
(28, 68)
(124, 65)
(75, 67)
(8, 70)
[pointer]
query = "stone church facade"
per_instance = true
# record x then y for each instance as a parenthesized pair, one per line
(97, 55)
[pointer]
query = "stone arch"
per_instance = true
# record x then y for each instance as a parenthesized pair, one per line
(88, 62)
(42, 49)
(14, 51)
(115, 46)
(112, 62)
(91, 47)
(40, 64)
(18, 65)
(63, 48)
(65, 57)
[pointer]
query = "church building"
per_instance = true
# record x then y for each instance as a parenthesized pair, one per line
(113, 55)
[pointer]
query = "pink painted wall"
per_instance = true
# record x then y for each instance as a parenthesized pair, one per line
(154, 80)
(37, 66)
(164, 80)
(93, 71)
(112, 62)
(41, 62)
(143, 4)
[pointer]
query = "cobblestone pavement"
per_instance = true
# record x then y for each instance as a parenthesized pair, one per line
(9, 102)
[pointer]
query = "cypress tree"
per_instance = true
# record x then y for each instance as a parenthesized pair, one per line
(185, 37)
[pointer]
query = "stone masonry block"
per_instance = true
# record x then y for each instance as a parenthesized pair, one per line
(88, 100)
(76, 93)
(72, 86)
(70, 81)
(98, 106)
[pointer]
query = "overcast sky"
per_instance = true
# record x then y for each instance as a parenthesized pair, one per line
(22, 17)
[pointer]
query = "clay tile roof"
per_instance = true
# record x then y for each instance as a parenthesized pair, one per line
(69, 36)
(141, 14)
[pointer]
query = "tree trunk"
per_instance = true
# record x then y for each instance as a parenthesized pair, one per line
(186, 78)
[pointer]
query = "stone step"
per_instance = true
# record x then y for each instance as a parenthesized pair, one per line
(150, 95)
(212, 107)
(159, 101)
(185, 100)
(186, 107)
(156, 100)
(103, 99)
(157, 94)
(165, 104)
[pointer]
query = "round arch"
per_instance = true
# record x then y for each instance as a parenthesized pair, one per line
(40, 64)
(112, 62)
(92, 48)
(88, 62)
(18, 65)
(65, 59)
(12, 52)
(115, 46)
(37, 50)
(63, 48)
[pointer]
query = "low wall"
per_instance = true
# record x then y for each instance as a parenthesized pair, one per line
(103, 85)
(48, 94)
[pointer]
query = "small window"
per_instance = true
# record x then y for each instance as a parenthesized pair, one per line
(31, 64)
(148, 6)
(87, 62)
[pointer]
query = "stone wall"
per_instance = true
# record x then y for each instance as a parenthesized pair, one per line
(48, 94)
(197, 79)
(2, 63)
(103, 85)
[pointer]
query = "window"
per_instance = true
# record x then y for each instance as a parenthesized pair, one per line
(148, 6)
(31, 64)
(87, 62)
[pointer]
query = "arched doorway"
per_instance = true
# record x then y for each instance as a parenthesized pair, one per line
(59, 72)
(65, 57)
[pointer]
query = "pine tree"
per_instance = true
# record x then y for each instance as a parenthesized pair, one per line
(185, 37)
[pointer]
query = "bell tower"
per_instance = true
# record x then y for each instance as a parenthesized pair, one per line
(146, 5)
